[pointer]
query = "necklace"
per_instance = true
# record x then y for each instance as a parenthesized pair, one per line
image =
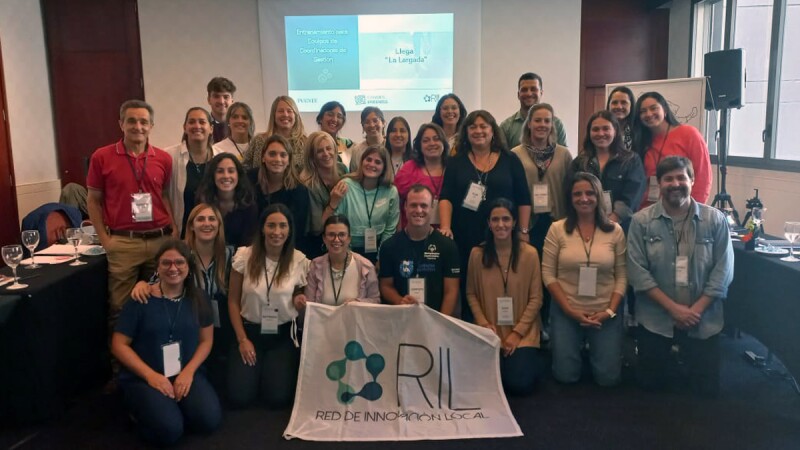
(172, 299)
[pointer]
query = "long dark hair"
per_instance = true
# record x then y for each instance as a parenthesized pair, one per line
(256, 265)
(631, 99)
(437, 113)
(498, 143)
(419, 157)
(389, 128)
(600, 214)
(616, 149)
(489, 247)
(191, 284)
(243, 195)
(642, 136)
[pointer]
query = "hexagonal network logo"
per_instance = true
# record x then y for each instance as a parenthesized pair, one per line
(337, 370)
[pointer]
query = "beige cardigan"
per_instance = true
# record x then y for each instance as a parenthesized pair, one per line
(484, 285)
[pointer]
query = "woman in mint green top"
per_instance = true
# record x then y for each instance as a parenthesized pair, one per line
(369, 200)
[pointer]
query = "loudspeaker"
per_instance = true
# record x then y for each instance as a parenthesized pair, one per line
(725, 74)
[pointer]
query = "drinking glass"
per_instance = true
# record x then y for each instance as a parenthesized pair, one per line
(74, 237)
(12, 255)
(792, 232)
(30, 239)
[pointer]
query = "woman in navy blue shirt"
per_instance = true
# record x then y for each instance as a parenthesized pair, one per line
(161, 345)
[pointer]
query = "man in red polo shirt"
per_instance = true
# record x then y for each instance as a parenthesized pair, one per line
(129, 202)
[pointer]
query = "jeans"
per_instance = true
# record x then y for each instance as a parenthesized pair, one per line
(605, 348)
(520, 371)
(701, 359)
(162, 420)
(273, 378)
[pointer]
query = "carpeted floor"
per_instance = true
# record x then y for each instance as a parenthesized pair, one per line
(757, 409)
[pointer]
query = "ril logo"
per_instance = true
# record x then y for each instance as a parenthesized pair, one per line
(337, 370)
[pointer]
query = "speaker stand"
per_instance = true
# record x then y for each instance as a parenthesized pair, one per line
(723, 200)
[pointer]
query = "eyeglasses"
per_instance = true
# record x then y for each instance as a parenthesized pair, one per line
(167, 263)
(341, 235)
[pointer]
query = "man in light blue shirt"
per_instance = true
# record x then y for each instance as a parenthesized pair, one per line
(680, 263)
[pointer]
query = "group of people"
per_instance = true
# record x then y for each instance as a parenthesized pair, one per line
(489, 223)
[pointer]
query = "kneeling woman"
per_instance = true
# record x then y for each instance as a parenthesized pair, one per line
(341, 276)
(264, 296)
(504, 291)
(161, 345)
(583, 267)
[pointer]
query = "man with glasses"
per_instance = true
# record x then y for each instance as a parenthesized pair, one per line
(529, 93)
(419, 264)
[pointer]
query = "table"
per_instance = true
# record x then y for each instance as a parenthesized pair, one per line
(53, 339)
(764, 301)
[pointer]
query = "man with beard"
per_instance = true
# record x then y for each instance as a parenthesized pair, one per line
(680, 263)
(419, 264)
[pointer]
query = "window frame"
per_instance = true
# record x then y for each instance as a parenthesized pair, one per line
(767, 161)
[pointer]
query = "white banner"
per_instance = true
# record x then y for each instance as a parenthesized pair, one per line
(377, 372)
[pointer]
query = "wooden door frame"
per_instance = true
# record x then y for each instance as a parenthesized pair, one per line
(10, 226)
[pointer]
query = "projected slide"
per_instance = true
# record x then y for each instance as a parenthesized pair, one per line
(395, 62)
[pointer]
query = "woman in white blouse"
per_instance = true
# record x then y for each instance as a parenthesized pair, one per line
(264, 297)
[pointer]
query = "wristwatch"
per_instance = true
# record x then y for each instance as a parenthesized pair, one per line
(611, 314)
(524, 230)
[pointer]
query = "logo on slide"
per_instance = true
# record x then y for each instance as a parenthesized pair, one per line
(337, 370)
(360, 99)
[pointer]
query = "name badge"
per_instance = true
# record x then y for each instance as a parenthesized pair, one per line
(682, 271)
(541, 198)
(475, 195)
(416, 289)
(269, 320)
(505, 311)
(370, 240)
(653, 191)
(587, 281)
(142, 207)
(215, 309)
(435, 212)
(608, 203)
(171, 353)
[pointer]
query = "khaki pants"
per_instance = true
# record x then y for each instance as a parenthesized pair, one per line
(129, 260)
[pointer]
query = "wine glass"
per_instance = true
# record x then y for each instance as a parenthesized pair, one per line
(792, 232)
(30, 238)
(12, 255)
(74, 237)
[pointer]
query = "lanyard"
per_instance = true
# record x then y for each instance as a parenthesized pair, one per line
(171, 322)
(504, 275)
(661, 150)
(209, 278)
(138, 176)
(270, 282)
(435, 186)
(424, 247)
(370, 210)
(338, 292)
(679, 237)
(583, 241)
(237, 147)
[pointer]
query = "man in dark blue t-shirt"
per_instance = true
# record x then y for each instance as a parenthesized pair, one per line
(419, 264)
